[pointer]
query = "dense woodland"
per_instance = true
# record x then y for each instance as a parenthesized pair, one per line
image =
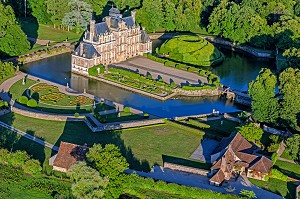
(265, 24)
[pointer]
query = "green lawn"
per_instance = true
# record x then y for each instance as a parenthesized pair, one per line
(285, 189)
(289, 169)
(212, 129)
(143, 147)
(18, 89)
(48, 32)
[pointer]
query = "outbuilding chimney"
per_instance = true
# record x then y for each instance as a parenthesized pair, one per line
(81, 48)
(133, 14)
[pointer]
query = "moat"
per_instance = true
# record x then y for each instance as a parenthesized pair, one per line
(236, 71)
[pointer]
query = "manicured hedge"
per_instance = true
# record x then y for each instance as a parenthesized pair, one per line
(32, 103)
(23, 100)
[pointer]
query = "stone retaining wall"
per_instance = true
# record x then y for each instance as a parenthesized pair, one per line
(127, 124)
(46, 116)
(248, 49)
(191, 116)
(185, 169)
(234, 119)
(297, 192)
(198, 93)
(128, 88)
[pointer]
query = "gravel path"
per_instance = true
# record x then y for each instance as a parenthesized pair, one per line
(168, 175)
(145, 65)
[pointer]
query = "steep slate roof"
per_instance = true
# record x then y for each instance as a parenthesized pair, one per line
(262, 165)
(218, 177)
(145, 37)
(129, 21)
(68, 154)
(88, 50)
(101, 28)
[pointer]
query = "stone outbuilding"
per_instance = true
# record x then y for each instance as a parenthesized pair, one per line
(67, 155)
(234, 156)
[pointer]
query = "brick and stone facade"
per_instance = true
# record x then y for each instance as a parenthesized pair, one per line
(115, 39)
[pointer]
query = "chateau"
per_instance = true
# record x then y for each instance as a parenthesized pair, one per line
(115, 39)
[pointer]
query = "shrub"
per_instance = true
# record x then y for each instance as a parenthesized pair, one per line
(76, 115)
(247, 194)
(126, 110)
(278, 175)
(23, 100)
(32, 103)
(170, 63)
(146, 115)
(93, 71)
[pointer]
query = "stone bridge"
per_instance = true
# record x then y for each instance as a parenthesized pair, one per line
(237, 96)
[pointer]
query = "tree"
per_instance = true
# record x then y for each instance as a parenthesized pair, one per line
(122, 4)
(264, 103)
(292, 56)
(57, 9)
(248, 194)
(289, 88)
(108, 160)
(87, 182)
(169, 15)
(18, 158)
(32, 167)
(150, 15)
(97, 5)
(80, 15)
(39, 11)
(251, 132)
(13, 40)
(293, 146)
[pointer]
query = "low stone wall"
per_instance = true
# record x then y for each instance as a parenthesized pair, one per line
(128, 124)
(229, 117)
(273, 130)
(248, 49)
(128, 88)
(46, 116)
(185, 169)
(191, 116)
(198, 93)
(297, 192)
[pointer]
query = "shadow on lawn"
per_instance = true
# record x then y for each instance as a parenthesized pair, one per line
(185, 162)
(79, 133)
(13, 141)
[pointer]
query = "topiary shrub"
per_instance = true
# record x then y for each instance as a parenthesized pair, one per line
(146, 115)
(126, 110)
(23, 100)
(76, 115)
(32, 103)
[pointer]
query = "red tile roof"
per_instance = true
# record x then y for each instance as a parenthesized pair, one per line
(218, 177)
(262, 165)
(68, 154)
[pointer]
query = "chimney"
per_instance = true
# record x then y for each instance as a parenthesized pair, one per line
(92, 30)
(133, 14)
(81, 48)
(107, 20)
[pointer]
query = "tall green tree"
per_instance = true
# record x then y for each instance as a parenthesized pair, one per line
(13, 40)
(108, 160)
(80, 15)
(97, 5)
(87, 182)
(57, 9)
(293, 147)
(289, 87)
(151, 15)
(122, 4)
(169, 15)
(264, 102)
(251, 132)
(39, 11)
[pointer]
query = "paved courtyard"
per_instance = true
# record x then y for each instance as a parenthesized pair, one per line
(158, 70)
(200, 181)
(204, 150)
